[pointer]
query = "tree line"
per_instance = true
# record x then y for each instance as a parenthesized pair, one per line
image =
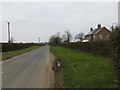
(56, 39)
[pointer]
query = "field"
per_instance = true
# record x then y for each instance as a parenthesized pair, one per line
(9, 54)
(85, 70)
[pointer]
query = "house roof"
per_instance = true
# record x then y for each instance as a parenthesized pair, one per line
(92, 32)
(95, 31)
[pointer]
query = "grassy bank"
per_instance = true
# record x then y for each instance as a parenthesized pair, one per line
(82, 70)
(9, 54)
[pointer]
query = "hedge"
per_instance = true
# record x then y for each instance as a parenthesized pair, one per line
(115, 39)
(15, 46)
(99, 47)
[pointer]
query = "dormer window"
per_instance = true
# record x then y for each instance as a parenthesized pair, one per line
(100, 35)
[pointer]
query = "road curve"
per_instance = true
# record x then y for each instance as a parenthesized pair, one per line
(30, 70)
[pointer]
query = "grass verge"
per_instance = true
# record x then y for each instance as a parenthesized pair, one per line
(6, 55)
(83, 70)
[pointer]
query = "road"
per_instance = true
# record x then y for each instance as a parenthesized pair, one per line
(29, 70)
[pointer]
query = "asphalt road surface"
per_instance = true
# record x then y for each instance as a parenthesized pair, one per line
(29, 70)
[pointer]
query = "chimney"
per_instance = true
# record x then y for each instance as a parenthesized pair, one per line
(99, 26)
(91, 29)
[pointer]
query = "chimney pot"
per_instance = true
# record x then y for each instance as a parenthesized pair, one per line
(99, 26)
(91, 29)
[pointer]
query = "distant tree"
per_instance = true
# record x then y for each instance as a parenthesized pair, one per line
(58, 34)
(79, 37)
(64, 37)
(67, 36)
(55, 39)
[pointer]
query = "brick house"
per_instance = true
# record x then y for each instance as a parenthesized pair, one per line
(100, 33)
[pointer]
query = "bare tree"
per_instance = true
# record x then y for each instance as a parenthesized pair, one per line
(79, 37)
(58, 34)
(55, 39)
(67, 36)
(64, 38)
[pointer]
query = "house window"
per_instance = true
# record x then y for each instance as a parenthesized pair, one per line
(108, 36)
(94, 36)
(100, 35)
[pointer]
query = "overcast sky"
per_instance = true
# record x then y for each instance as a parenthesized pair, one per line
(32, 20)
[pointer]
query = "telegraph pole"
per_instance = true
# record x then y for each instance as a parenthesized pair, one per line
(9, 41)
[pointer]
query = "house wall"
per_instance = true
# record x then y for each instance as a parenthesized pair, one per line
(104, 32)
(88, 37)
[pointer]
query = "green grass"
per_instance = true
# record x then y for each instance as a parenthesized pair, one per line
(17, 52)
(83, 70)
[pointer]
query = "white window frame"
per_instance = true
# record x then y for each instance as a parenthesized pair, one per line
(108, 36)
(100, 35)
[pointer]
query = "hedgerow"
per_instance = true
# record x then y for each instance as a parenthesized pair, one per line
(115, 39)
(15, 46)
(99, 47)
